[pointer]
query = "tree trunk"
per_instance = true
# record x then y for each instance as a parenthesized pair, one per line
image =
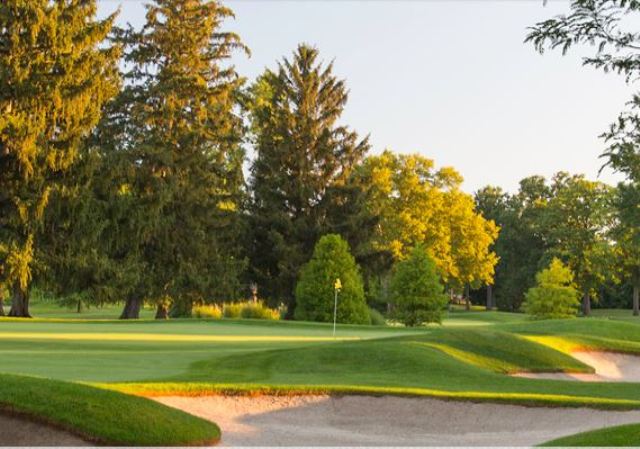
(586, 304)
(19, 303)
(489, 297)
(467, 301)
(131, 309)
(79, 306)
(636, 300)
(162, 313)
(1, 307)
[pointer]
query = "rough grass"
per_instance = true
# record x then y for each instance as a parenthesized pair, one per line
(618, 436)
(102, 416)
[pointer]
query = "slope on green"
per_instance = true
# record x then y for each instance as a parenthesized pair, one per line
(102, 416)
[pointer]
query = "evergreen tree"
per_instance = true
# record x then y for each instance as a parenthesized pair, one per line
(176, 136)
(416, 290)
(302, 157)
(55, 75)
(555, 294)
(315, 291)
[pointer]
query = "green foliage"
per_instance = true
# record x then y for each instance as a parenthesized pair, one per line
(56, 74)
(376, 318)
(173, 139)
(304, 158)
(416, 290)
(555, 294)
(315, 290)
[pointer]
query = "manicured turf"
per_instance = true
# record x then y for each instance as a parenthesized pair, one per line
(467, 358)
(618, 436)
(102, 416)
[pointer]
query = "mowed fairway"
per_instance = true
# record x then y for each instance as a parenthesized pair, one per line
(470, 357)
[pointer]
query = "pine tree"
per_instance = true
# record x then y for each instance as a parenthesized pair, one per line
(302, 153)
(55, 75)
(176, 137)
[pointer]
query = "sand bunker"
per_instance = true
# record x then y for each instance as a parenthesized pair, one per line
(388, 421)
(609, 366)
(21, 432)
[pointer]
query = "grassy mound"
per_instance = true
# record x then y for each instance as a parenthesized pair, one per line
(618, 436)
(102, 416)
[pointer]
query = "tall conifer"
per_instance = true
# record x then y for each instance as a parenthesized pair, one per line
(55, 75)
(176, 134)
(302, 155)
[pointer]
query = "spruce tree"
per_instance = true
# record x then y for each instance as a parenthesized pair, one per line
(302, 156)
(176, 136)
(55, 75)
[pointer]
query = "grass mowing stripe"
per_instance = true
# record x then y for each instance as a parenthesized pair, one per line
(162, 337)
(102, 416)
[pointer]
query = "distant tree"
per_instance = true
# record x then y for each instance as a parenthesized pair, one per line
(56, 73)
(577, 219)
(315, 290)
(416, 291)
(304, 158)
(554, 295)
(419, 205)
(626, 234)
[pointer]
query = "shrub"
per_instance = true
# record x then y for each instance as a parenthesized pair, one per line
(377, 319)
(416, 291)
(555, 294)
(250, 309)
(207, 311)
(331, 260)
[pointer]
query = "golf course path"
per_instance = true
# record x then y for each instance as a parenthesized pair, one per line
(22, 432)
(388, 421)
(608, 366)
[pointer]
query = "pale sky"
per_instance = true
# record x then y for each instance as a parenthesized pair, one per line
(451, 80)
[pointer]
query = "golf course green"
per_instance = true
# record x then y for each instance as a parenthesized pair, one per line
(469, 357)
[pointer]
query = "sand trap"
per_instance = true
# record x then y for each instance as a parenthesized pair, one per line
(21, 432)
(609, 366)
(388, 421)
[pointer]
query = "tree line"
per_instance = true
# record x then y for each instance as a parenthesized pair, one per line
(122, 156)
(121, 168)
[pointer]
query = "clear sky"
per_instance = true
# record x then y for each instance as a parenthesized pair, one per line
(451, 80)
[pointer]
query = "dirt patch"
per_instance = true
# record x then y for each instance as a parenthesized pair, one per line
(609, 367)
(16, 431)
(388, 421)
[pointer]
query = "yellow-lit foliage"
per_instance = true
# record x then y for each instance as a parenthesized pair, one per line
(419, 204)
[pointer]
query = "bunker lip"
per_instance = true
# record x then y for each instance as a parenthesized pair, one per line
(326, 420)
(608, 366)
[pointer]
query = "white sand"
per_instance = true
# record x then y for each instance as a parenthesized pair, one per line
(21, 432)
(388, 421)
(609, 367)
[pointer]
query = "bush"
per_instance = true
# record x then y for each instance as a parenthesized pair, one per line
(331, 260)
(416, 291)
(555, 294)
(207, 311)
(377, 319)
(250, 310)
